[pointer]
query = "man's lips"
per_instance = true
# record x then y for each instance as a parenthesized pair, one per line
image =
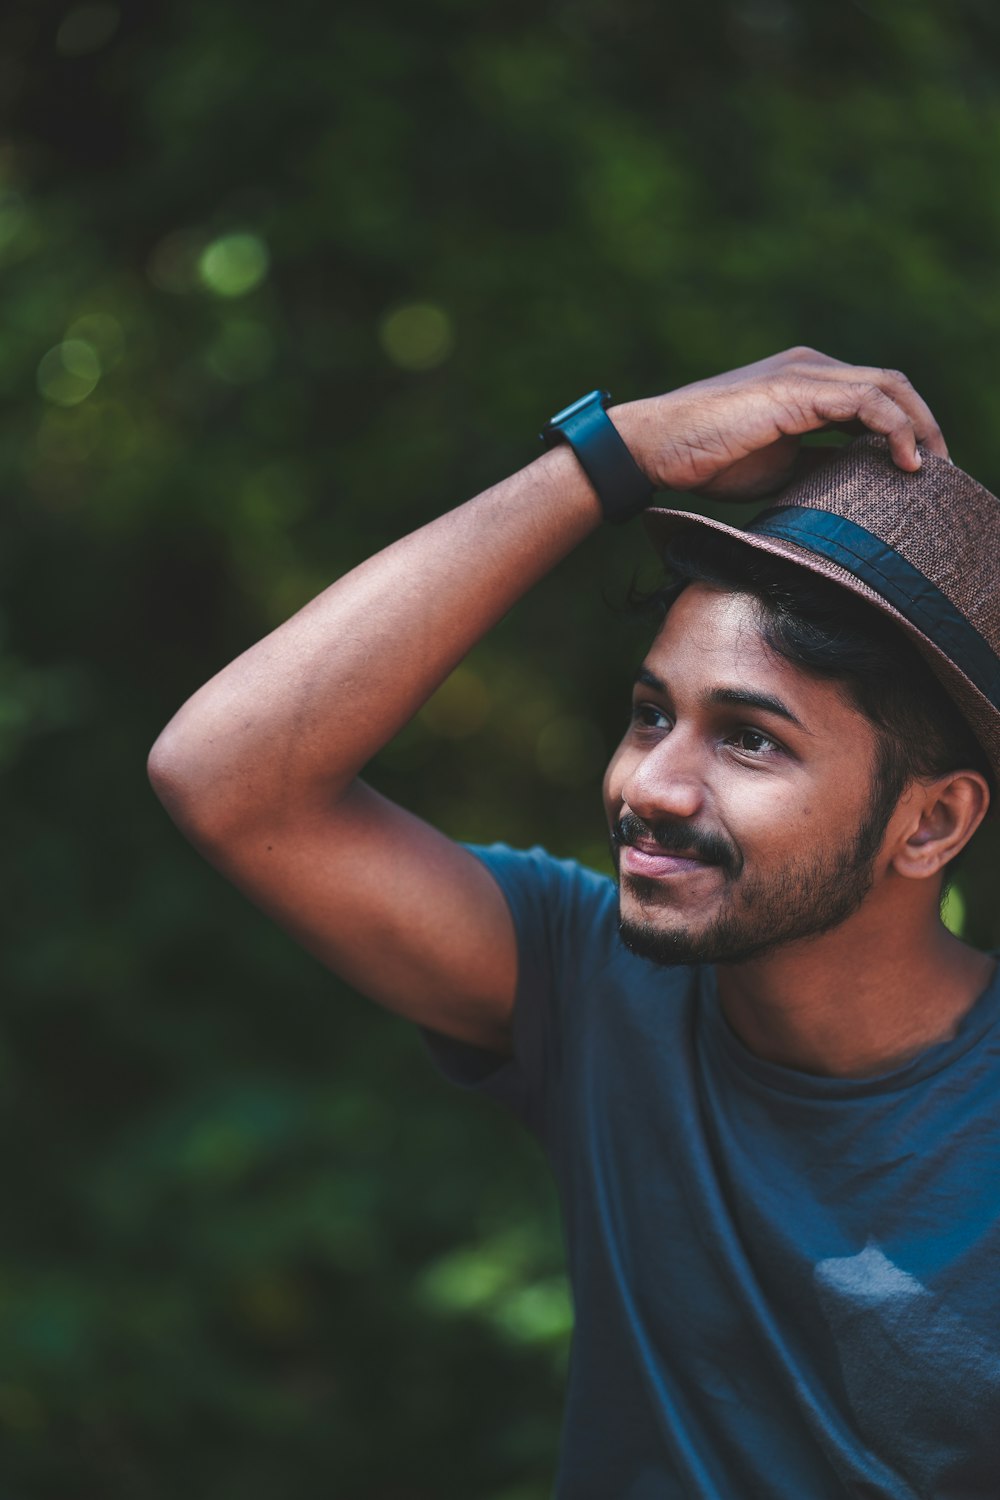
(657, 851)
(654, 862)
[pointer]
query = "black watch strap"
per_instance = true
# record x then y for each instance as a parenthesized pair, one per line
(621, 486)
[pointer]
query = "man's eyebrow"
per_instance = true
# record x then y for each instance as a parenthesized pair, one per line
(765, 702)
(731, 697)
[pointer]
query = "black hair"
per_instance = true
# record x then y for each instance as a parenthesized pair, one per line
(829, 632)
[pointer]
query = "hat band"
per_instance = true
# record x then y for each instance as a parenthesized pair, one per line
(898, 581)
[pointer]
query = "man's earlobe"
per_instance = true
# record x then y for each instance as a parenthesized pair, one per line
(947, 815)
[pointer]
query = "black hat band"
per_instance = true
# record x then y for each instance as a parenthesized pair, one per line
(898, 582)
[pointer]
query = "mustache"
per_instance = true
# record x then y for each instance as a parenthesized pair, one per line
(678, 838)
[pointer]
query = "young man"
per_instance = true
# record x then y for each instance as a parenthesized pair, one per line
(766, 1076)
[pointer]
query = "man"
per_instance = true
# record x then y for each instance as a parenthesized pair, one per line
(771, 1110)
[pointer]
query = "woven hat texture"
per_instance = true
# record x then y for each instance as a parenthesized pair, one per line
(924, 548)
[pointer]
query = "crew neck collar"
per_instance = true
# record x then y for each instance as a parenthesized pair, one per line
(983, 1014)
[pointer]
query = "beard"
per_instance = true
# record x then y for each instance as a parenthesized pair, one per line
(759, 912)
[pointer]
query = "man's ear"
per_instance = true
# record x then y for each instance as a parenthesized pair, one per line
(942, 817)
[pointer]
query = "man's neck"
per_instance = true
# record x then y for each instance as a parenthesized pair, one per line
(855, 1002)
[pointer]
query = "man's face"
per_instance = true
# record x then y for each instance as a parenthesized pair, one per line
(737, 798)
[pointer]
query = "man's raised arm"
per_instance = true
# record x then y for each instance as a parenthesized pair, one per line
(260, 767)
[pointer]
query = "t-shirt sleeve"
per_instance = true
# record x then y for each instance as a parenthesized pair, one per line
(557, 906)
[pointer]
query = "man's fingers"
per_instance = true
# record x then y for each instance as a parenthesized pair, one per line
(846, 401)
(896, 386)
(880, 413)
(738, 423)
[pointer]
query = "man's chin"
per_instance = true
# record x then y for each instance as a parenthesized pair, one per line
(669, 942)
(660, 945)
(722, 942)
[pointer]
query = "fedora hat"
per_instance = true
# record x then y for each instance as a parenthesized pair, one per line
(924, 548)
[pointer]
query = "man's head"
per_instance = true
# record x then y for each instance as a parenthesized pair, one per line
(786, 735)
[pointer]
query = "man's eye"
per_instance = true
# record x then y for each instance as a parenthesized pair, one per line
(649, 716)
(753, 742)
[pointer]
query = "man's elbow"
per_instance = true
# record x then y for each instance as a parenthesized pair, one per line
(212, 798)
(172, 768)
(166, 771)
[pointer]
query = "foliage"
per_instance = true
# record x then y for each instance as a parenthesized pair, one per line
(277, 284)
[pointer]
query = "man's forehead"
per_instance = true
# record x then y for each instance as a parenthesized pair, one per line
(713, 622)
(711, 641)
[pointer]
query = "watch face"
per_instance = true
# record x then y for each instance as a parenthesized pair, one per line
(597, 398)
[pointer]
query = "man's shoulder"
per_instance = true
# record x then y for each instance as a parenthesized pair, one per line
(558, 890)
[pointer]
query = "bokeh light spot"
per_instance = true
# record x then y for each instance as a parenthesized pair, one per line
(103, 333)
(69, 373)
(80, 359)
(234, 264)
(953, 910)
(417, 336)
(537, 1314)
(465, 1280)
(87, 28)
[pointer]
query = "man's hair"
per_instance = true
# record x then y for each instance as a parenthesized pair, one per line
(829, 632)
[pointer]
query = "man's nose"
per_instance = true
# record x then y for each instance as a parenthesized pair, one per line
(666, 782)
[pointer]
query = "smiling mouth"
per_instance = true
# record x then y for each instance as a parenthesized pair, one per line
(655, 862)
(643, 849)
(654, 848)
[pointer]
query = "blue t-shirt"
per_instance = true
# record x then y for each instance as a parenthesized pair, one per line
(785, 1286)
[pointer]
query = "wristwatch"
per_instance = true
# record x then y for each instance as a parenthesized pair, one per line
(621, 486)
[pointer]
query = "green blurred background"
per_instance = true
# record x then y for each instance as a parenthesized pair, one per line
(278, 283)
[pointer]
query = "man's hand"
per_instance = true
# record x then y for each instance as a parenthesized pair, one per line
(736, 436)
